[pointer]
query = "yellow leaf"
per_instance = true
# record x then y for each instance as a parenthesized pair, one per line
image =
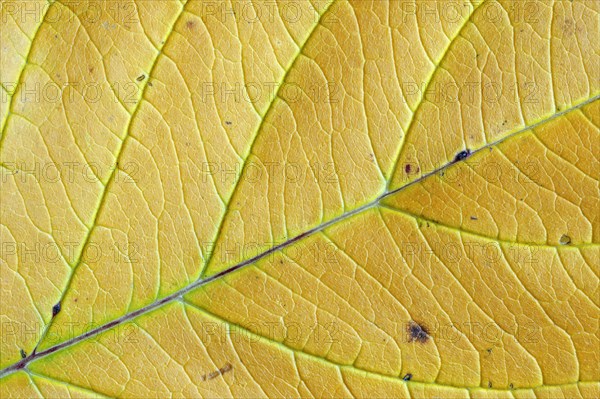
(300, 198)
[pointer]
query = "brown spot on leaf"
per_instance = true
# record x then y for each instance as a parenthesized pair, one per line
(214, 374)
(417, 332)
(226, 368)
(190, 24)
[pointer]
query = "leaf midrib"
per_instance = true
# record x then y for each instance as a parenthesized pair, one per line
(179, 294)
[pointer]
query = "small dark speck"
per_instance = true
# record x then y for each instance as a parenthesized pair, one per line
(489, 351)
(141, 77)
(511, 386)
(407, 377)
(417, 332)
(473, 217)
(407, 168)
(489, 384)
(55, 309)
(150, 84)
(23, 354)
(462, 155)
(228, 123)
(190, 24)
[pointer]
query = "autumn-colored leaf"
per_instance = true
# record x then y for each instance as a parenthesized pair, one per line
(298, 198)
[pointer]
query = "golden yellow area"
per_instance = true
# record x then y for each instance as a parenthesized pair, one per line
(300, 198)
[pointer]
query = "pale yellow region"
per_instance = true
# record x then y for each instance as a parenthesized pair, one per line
(184, 352)
(18, 385)
(27, 385)
(494, 317)
(193, 128)
(512, 66)
(70, 113)
(540, 187)
(17, 29)
(28, 290)
(329, 141)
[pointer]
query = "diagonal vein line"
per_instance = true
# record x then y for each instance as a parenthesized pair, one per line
(20, 76)
(435, 69)
(257, 132)
(112, 174)
(179, 294)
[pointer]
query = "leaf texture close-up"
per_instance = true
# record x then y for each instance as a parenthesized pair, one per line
(300, 198)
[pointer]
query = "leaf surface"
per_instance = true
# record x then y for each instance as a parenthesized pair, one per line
(360, 199)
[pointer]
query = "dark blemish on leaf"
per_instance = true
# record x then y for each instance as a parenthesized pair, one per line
(228, 123)
(226, 368)
(489, 384)
(407, 377)
(91, 69)
(55, 309)
(407, 168)
(474, 218)
(75, 300)
(417, 332)
(190, 24)
(511, 386)
(217, 373)
(150, 84)
(141, 77)
(565, 240)
(489, 351)
(462, 155)
(23, 354)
